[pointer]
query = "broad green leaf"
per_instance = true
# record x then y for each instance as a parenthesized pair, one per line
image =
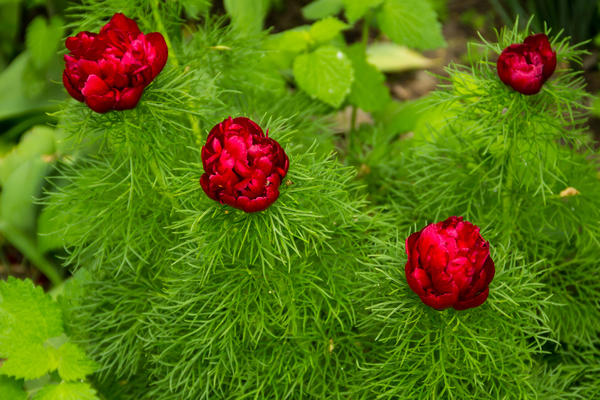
(294, 41)
(195, 8)
(29, 319)
(11, 389)
(16, 98)
(321, 9)
(284, 46)
(412, 23)
(17, 206)
(67, 391)
(369, 91)
(325, 74)
(43, 39)
(391, 57)
(326, 29)
(73, 363)
(246, 16)
(38, 141)
(356, 9)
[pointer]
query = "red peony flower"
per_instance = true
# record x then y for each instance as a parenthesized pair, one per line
(449, 265)
(243, 167)
(109, 70)
(525, 67)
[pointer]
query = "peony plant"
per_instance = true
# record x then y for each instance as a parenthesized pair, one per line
(213, 260)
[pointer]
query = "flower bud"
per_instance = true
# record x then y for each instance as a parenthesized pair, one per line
(242, 167)
(449, 265)
(526, 66)
(109, 70)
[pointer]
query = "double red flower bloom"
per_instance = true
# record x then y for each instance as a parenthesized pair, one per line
(109, 70)
(449, 265)
(527, 66)
(243, 167)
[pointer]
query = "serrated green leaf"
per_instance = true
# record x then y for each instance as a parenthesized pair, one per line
(369, 91)
(246, 16)
(325, 74)
(326, 29)
(67, 391)
(73, 363)
(284, 46)
(391, 57)
(43, 39)
(28, 320)
(11, 389)
(321, 9)
(412, 23)
(356, 9)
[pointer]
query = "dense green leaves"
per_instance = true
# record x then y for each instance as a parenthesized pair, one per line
(369, 91)
(412, 23)
(325, 74)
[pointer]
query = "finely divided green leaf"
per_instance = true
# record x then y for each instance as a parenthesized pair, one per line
(325, 74)
(369, 91)
(356, 9)
(412, 23)
(325, 30)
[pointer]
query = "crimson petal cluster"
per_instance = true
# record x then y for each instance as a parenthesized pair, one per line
(449, 265)
(109, 70)
(526, 66)
(243, 167)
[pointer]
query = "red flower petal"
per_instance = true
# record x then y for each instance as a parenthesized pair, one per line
(120, 22)
(129, 98)
(112, 68)
(159, 53)
(448, 264)
(242, 167)
(76, 94)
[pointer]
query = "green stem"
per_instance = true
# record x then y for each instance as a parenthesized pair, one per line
(365, 29)
(161, 28)
(352, 127)
(26, 246)
(173, 58)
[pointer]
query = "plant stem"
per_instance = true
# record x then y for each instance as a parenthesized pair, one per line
(365, 29)
(163, 30)
(352, 128)
(173, 58)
